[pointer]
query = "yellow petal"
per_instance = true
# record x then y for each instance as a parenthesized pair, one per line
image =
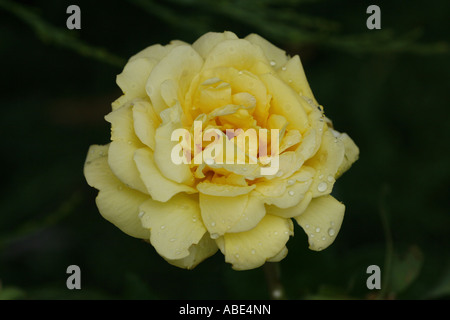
(326, 162)
(175, 225)
(286, 102)
(224, 214)
(208, 41)
(239, 54)
(180, 65)
(159, 187)
(291, 138)
(145, 122)
(250, 249)
(157, 52)
(351, 153)
(293, 74)
(116, 203)
(223, 190)
(197, 253)
(134, 76)
(293, 189)
(124, 144)
(180, 173)
(290, 212)
(321, 221)
(275, 55)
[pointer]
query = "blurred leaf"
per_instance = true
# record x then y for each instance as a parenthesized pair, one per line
(405, 269)
(11, 293)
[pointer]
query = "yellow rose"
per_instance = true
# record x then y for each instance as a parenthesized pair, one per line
(189, 210)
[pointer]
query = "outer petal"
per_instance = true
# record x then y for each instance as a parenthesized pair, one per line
(239, 54)
(197, 253)
(326, 162)
(163, 148)
(250, 249)
(159, 187)
(291, 211)
(322, 221)
(208, 41)
(220, 214)
(223, 190)
(145, 122)
(286, 102)
(351, 152)
(293, 74)
(180, 65)
(175, 225)
(276, 56)
(124, 144)
(116, 203)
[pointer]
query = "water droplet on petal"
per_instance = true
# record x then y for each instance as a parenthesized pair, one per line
(317, 229)
(253, 251)
(279, 173)
(237, 256)
(290, 182)
(129, 142)
(272, 63)
(283, 68)
(330, 178)
(321, 176)
(291, 193)
(214, 235)
(322, 186)
(213, 224)
(141, 214)
(331, 232)
(307, 226)
(323, 238)
(163, 227)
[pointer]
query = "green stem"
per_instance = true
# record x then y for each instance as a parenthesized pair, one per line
(273, 279)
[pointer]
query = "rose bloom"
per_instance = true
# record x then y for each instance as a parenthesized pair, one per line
(189, 211)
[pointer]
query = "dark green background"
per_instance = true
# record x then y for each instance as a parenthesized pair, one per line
(388, 89)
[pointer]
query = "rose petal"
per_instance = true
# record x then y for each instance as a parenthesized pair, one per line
(275, 55)
(221, 215)
(145, 122)
(180, 173)
(116, 203)
(223, 190)
(350, 156)
(124, 144)
(286, 102)
(159, 187)
(326, 162)
(197, 253)
(175, 225)
(293, 74)
(321, 221)
(250, 249)
(208, 41)
(180, 65)
(290, 212)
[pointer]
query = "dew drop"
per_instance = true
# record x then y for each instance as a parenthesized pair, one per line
(240, 72)
(213, 224)
(283, 68)
(290, 80)
(141, 214)
(272, 63)
(291, 182)
(330, 178)
(253, 251)
(129, 142)
(317, 229)
(321, 176)
(275, 233)
(279, 173)
(177, 252)
(322, 186)
(323, 238)
(163, 227)
(311, 235)
(291, 193)
(214, 235)
(237, 256)
(331, 232)
(307, 226)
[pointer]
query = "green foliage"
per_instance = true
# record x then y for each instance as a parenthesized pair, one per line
(387, 88)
